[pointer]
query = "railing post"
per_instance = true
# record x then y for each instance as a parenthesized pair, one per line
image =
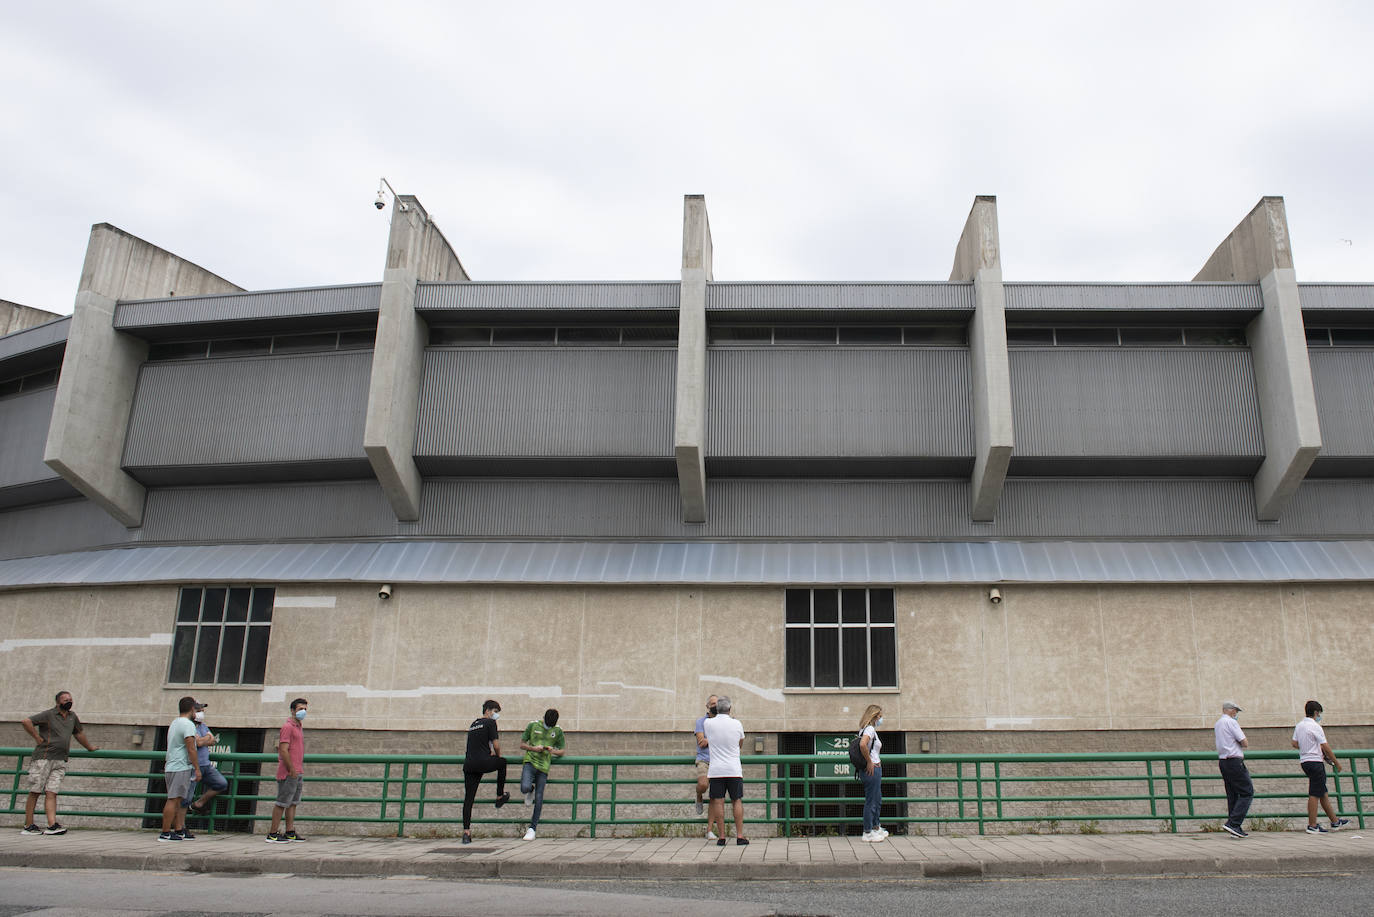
(1150, 783)
(1188, 785)
(1169, 788)
(596, 787)
(615, 783)
(386, 787)
(768, 797)
(405, 794)
(424, 790)
(576, 785)
(1340, 796)
(14, 789)
(959, 785)
(978, 784)
(786, 786)
(997, 786)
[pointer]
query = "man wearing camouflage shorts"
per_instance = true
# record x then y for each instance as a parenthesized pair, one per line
(53, 731)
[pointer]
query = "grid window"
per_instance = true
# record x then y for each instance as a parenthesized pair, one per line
(840, 638)
(222, 633)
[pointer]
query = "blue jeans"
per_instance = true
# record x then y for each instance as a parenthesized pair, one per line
(873, 796)
(210, 779)
(532, 780)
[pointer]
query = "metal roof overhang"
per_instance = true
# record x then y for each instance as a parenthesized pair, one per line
(706, 563)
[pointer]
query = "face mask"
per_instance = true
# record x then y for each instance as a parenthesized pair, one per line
(1317, 718)
(496, 714)
(200, 717)
(878, 722)
(300, 714)
(65, 705)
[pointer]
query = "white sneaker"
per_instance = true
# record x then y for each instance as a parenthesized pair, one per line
(711, 836)
(881, 830)
(878, 837)
(529, 834)
(867, 836)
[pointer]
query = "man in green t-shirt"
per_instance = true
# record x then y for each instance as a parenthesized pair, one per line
(542, 743)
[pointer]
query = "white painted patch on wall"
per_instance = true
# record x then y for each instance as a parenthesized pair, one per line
(278, 693)
(1007, 722)
(773, 694)
(621, 684)
(303, 601)
(150, 640)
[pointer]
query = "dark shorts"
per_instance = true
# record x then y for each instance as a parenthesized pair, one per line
(723, 785)
(1316, 778)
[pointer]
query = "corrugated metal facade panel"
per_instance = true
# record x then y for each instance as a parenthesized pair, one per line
(1089, 297)
(1130, 402)
(363, 299)
(39, 337)
(24, 421)
(481, 296)
(246, 411)
(547, 402)
(1318, 296)
(710, 563)
(838, 402)
(918, 510)
(1344, 385)
(267, 513)
(900, 297)
(58, 527)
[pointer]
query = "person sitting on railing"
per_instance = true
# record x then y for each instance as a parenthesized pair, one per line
(542, 742)
(210, 777)
(483, 756)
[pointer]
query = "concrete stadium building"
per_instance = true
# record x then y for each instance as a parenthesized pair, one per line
(1020, 516)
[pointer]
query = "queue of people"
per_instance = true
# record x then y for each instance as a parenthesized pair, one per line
(719, 741)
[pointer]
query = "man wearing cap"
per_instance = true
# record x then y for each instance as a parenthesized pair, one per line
(211, 779)
(1231, 745)
(182, 769)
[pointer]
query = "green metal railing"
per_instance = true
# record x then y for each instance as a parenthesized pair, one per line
(1160, 790)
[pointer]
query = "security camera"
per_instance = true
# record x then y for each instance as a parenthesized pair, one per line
(380, 203)
(995, 596)
(384, 592)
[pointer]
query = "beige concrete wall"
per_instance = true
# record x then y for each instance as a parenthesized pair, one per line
(641, 659)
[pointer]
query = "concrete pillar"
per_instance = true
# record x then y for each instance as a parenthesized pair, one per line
(416, 251)
(90, 415)
(978, 258)
(689, 417)
(1258, 250)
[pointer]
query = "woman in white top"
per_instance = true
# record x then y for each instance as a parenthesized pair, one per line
(872, 773)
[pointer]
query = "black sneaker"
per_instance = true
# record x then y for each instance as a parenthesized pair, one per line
(168, 836)
(202, 811)
(1234, 832)
(467, 838)
(1335, 825)
(741, 842)
(186, 835)
(277, 838)
(56, 828)
(31, 830)
(720, 842)
(502, 800)
(293, 836)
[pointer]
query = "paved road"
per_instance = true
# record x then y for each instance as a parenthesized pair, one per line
(122, 894)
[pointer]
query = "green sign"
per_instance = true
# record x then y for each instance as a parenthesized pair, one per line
(836, 746)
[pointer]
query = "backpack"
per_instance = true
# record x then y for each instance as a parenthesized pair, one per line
(856, 756)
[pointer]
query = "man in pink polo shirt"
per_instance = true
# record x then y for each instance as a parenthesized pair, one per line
(290, 774)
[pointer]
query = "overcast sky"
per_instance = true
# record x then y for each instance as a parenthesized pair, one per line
(554, 141)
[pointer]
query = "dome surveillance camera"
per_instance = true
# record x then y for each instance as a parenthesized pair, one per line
(995, 596)
(384, 592)
(380, 203)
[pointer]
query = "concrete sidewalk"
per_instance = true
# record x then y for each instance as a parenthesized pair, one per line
(665, 858)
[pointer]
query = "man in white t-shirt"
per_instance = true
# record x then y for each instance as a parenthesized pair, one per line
(725, 738)
(1231, 745)
(1314, 754)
